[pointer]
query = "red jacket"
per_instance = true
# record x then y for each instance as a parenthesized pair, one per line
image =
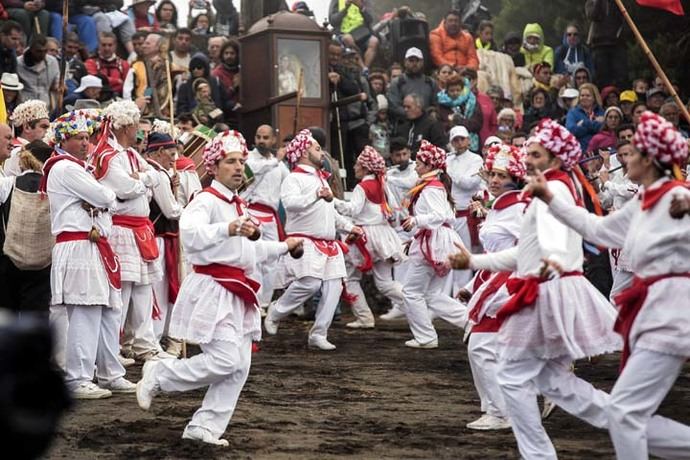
(457, 51)
(489, 119)
(114, 70)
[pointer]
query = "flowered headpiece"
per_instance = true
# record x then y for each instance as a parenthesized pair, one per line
(71, 124)
(559, 141)
(221, 145)
(372, 160)
(122, 113)
(431, 155)
(29, 111)
(164, 127)
(658, 138)
(94, 115)
(297, 146)
(507, 158)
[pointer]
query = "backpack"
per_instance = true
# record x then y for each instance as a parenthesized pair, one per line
(28, 238)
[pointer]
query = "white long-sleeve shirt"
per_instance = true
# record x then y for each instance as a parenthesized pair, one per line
(617, 191)
(68, 186)
(463, 169)
(360, 209)
(133, 194)
(542, 236)
(204, 234)
(163, 194)
(269, 174)
(501, 228)
(653, 241)
(306, 214)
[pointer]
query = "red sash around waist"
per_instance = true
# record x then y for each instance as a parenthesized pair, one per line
(233, 279)
(524, 292)
(494, 284)
(472, 224)
(111, 263)
(269, 210)
(630, 302)
(441, 268)
(144, 234)
(171, 254)
(326, 247)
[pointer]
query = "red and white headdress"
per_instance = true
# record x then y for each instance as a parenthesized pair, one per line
(29, 111)
(507, 158)
(224, 143)
(372, 160)
(431, 155)
(559, 141)
(659, 139)
(297, 146)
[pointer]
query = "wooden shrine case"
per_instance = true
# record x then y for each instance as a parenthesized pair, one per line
(275, 51)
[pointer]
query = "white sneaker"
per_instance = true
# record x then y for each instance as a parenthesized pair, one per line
(89, 390)
(427, 346)
(126, 362)
(489, 422)
(147, 387)
(270, 325)
(120, 385)
(549, 406)
(321, 343)
(393, 313)
(196, 433)
(357, 324)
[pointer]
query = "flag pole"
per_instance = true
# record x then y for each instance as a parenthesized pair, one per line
(648, 52)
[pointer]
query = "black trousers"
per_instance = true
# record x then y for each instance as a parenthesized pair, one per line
(24, 290)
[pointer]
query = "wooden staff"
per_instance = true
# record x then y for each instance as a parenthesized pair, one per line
(63, 61)
(300, 90)
(171, 103)
(37, 25)
(659, 71)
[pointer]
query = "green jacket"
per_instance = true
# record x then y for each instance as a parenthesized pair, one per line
(542, 54)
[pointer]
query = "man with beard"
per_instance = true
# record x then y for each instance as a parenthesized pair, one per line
(180, 54)
(147, 82)
(107, 63)
(38, 70)
(263, 196)
(451, 45)
(308, 202)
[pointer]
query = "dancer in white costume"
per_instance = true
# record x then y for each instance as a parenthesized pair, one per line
(85, 275)
(654, 231)
(263, 196)
(505, 173)
(380, 248)
(431, 213)
(311, 214)
(217, 306)
(554, 315)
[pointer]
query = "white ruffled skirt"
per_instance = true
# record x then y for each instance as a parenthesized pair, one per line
(313, 264)
(134, 268)
(569, 318)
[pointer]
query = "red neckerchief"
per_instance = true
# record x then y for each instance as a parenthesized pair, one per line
(42, 187)
(650, 197)
(564, 177)
(185, 164)
(320, 173)
(507, 200)
(373, 190)
(416, 191)
(236, 200)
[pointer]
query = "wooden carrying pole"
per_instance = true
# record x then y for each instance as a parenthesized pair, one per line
(659, 71)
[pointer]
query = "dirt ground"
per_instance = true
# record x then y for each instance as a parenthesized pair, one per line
(371, 398)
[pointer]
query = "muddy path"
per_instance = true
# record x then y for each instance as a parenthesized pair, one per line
(371, 398)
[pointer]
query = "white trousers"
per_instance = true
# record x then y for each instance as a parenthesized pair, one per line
(92, 343)
(299, 291)
(424, 296)
(640, 389)
(223, 367)
(267, 270)
(58, 325)
(461, 277)
(522, 380)
(383, 279)
(483, 357)
(160, 295)
(136, 321)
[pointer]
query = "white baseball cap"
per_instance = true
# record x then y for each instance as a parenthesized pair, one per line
(458, 131)
(414, 52)
(89, 81)
(491, 140)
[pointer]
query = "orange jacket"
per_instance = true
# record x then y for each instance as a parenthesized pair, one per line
(457, 51)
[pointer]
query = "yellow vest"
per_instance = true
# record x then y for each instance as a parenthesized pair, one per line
(480, 46)
(352, 19)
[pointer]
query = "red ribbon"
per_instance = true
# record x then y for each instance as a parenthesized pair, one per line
(495, 283)
(236, 200)
(144, 234)
(424, 235)
(368, 263)
(269, 210)
(524, 292)
(651, 197)
(629, 302)
(233, 279)
(111, 264)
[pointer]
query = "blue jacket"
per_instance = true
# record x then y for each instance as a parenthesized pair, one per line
(578, 55)
(577, 122)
